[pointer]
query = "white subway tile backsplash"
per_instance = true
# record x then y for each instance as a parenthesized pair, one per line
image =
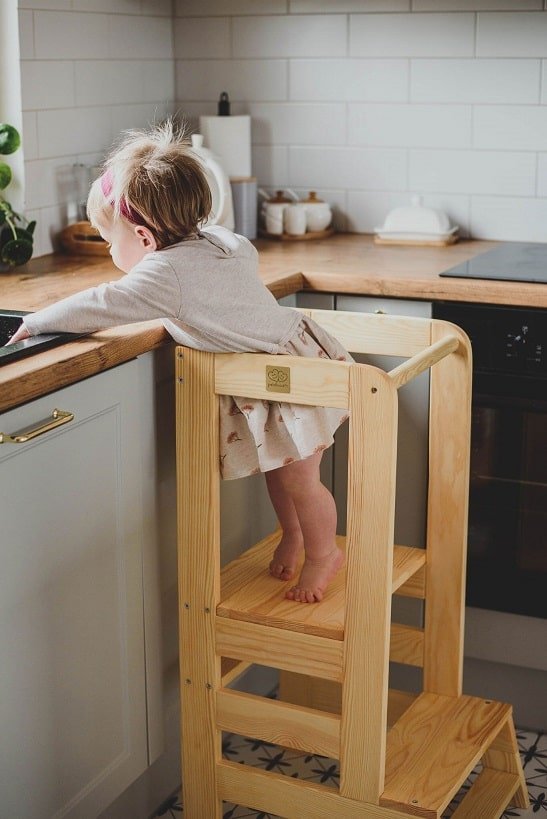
(158, 83)
(349, 80)
(197, 8)
(475, 81)
(29, 135)
(107, 82)
(497, 173)
(542, 175)
(157, 8)
(247, 80)
(510, 127)
(509, 219)
(74, 130)
(270, 164)
(298, 36)
(365, 101)
(111, 6)
(519, 34)
(47, 84)
(476, 5)
(62, 36)
(412, 35)
(149, 38)
(324, 6)
(145, 115)
(298, 123)
(435, 126)
(49, 182)
(202, 37)
(26, 35)
(61, 5)
(381, 169)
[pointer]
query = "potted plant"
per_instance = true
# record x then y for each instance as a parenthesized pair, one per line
(16, 234)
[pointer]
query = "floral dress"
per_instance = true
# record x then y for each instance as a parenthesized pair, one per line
(257, 436)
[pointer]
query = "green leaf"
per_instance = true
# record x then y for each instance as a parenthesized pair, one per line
(22, 233)
(2, 216)
(9, 138)
(30, 227)
(16, 252)
(5, 175)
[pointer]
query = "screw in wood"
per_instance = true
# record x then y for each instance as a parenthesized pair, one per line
(374, 389)
(187, 605)
(188, 681)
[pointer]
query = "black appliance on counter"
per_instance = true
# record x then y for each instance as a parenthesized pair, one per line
(10, 320)
(507, 545)
(510, 261)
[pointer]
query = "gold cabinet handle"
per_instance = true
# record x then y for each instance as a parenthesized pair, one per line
(58, 418)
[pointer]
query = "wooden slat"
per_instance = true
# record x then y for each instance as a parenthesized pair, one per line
(432, 749)
(326, 695)
(379, 334)
(319, 382)
(406, 562)
(198, 578)
(297, 799)
(423, 360)
(277, 648)
(415, 585)
(250, 593)
(291, 726)
(232, 669)
(503, 755)
(406, 645)
(449, 437)
(369, 556)
(489, 795)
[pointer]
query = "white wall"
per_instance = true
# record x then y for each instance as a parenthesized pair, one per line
(89, 69)
(369, 101)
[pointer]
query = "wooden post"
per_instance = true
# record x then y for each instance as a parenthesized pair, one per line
(449, 445)
(371, 503)
(199, 579)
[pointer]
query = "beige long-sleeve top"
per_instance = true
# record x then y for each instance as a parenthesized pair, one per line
(206, 290)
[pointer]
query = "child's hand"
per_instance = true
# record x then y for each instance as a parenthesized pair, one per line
(20, 334)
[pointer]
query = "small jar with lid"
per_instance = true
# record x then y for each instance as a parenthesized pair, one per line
(318, 213)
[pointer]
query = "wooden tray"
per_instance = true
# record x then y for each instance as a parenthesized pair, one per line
(82, 239)
(287, 237)
(448, 240)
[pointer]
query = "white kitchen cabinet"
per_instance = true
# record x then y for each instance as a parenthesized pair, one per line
(72, 675)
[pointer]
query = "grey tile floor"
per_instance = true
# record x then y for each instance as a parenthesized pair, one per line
(533, 750)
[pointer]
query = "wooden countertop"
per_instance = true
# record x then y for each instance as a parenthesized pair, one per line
(344, 263)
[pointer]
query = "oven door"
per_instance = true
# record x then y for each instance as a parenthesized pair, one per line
(507, 546)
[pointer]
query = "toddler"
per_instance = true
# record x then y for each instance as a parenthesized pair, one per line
(149, 206)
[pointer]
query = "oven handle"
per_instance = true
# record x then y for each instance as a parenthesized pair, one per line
(423, 360)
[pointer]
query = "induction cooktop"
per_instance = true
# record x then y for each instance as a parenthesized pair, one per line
(511, 261)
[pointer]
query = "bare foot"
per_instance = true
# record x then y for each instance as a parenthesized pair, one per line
(285, 557)
(315, 577)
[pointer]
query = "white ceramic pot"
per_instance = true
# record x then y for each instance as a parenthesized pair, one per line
(318, 213)
(295, 219)
(273, 217)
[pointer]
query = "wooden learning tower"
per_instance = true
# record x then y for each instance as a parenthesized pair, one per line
(400, 754)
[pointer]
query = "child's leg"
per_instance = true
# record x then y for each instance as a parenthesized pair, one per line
(286, 555)
(316, 513)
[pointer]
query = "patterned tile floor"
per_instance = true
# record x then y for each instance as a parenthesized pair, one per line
(533, 750)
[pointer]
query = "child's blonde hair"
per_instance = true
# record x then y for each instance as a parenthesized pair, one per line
(153, 179)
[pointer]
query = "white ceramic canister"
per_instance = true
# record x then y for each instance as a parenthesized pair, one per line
(222, 211)
(295, 219)
(273, 216)
(318, 213)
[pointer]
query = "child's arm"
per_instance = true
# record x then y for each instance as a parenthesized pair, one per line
(151, 290)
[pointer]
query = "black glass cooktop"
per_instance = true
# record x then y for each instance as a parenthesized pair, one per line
(511, 261)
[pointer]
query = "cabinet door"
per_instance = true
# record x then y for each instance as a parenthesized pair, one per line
(72, 683)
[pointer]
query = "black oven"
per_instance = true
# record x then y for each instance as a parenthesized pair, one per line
(507, 544)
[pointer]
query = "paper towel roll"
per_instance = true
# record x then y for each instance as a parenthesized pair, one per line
(230, 139)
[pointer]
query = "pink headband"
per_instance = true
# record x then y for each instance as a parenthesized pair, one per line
(107, 183)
